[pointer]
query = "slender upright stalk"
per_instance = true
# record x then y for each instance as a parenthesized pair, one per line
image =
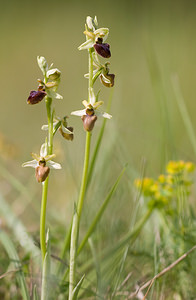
(43, 218)
(45, 184)
(78, 209)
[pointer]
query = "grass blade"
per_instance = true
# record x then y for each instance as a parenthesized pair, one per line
(46, 291)
(35, 295)
(11, 251)
(14, 182)
(97, 266)
(77, 288)
(129, 237)
(100, 212)
(184, 112)
(18, 229)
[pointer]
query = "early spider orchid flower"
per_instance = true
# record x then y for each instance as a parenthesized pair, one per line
(96, 38)
(46, 87)
(61, 125)
(39, 163)
(90, 113)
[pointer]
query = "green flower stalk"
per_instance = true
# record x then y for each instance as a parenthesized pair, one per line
(94, 44)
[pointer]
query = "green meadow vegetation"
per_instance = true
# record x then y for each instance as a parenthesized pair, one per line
(107, 208)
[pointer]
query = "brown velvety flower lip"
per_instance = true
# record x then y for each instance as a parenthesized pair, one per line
(36, 96)
(110, 77)
(103, 49)
(88, 122)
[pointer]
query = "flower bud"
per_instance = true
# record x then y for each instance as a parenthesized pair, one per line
(67, 136)
(88, 122)
(42, 63)
(41, 173)
(90, 23)
(103, 49)
(53, 74)
(36, 96)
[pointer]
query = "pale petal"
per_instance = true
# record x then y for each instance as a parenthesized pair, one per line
(65, 130)
(90, 23)
(85, 103)
(58, 96)
(86, 45)
(42, 63)
(43, 150)
(53, 165)
(103, 114)
(54, 95)
(44, 127)
(87, 74)
(92, 99)
(95, 21)
(105, 79)
(102, 33)
(32, 163)
(52, 72)
(49, 157)
(79, 113)
(35, 156)
(52, 64)
(97, 104)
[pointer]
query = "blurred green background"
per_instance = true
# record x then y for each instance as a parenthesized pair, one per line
(150, 41)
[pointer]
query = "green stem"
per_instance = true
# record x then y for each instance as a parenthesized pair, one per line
(90, 83)
(84, 175)
(50, 125)
(76, 219)
(98, 143)
(43, 219)
(78, 209)
(45, 184)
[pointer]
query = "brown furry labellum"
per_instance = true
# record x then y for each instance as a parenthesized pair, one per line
(67, 136)
(110, 77)
(41, 173)
(89, 122)
(103, 49)
(36, 96)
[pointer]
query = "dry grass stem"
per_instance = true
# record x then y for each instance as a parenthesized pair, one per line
(167, 269)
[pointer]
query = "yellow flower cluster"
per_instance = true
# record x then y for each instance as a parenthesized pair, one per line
(178, 167)
(165, 187)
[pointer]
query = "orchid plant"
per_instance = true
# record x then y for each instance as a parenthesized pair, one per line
(47, 91)
(96, 46)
